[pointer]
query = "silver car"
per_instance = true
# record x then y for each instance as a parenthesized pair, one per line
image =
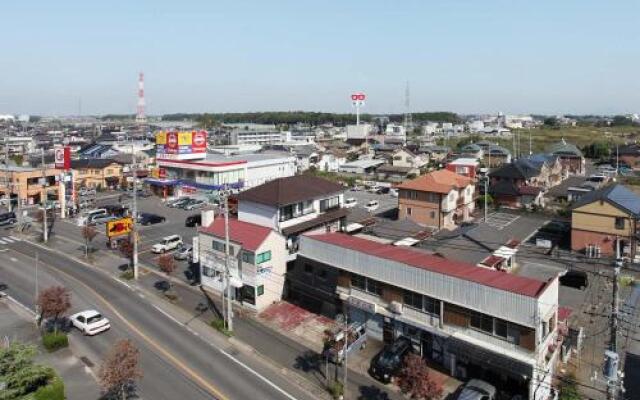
(183, 253)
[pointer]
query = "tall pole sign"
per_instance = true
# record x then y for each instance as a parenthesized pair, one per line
(357, 100)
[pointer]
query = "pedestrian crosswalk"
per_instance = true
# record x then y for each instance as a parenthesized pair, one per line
(8, 239)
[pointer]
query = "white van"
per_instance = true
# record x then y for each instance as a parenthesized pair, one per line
(167, 243)
(93, 214)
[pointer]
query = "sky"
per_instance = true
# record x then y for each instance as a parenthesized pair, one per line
(545, 56)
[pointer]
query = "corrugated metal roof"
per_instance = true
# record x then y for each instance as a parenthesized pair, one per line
(418, 259)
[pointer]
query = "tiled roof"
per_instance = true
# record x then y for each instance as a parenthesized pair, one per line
(249, 235)
(616, 194)
(419, 259)
(441, 181)
(293, 189)
(93, 163)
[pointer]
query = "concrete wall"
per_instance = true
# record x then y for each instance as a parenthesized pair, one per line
(258, 214)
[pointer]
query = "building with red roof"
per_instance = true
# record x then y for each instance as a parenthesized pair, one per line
(464, 317)
(257, 261)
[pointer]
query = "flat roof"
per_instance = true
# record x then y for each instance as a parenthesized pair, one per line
(362, 163)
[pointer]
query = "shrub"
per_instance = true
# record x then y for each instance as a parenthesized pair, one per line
(127, 275)
(53, 391)
(218, 324)
(336, 389)
(53, 341)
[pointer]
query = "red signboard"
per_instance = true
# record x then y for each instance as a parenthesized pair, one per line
(358, 97)
(62, 157)
(199, 142)
(172, 143)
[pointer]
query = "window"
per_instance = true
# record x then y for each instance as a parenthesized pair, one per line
(619, 223)
(308, 269)
(413, 195)
(481, 321)
(408, 210)
(218, 246)
(412, 299)
(328, 204)
(374, 287)
(263, 257)
(249, 294)
(358, 281)
(209, 272)
(322, 274)
(260, 290)
(501, 328)
(247, 257)
(431, 305)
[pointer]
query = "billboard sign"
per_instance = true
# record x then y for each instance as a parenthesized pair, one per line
(62, 156)
(119, 227)
(184, 145)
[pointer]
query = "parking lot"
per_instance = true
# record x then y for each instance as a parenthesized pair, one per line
(500, 220)
(387, 202)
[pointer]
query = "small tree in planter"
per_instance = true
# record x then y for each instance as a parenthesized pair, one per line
(120, 369)
(415, 382)
(88, 233)
(53, 302)
(167, 264)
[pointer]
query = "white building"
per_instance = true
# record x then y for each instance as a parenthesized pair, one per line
(257, 135)
(361, 131)
(257, 266)
(396, 131)
(216, 169)
(18, 144)
(473, 321)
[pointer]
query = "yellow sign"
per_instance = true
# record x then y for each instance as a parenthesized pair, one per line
(161, 137)
(119, 227)
(184, 138)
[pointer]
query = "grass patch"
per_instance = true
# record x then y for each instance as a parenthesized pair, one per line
(53, 391)
(627, 280)
(127, 275)
(336, 389)
(53, 341)
(218, 324)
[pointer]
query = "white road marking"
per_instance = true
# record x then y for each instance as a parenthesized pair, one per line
(257, 374)
(2, 242)
(166, 314)
(30, 311)
(7, 239)
(13, 259)
(17, 239)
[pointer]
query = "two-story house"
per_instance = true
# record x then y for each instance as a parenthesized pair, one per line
(472, 150)
(294, 205)
(441, 199)
(257, 261)
(496, 156)
(464, 166)
(605, 222)
(475, 322)
(571, 158)
(96, 173)
(522, 182)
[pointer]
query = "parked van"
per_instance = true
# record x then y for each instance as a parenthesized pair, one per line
(93, 214)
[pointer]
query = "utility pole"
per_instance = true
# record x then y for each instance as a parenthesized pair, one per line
(226, 261)
(530, 152)
(43, 200)
(134, 229)
(345, 347)
(610, 371)
(37, 289)
(486, 193)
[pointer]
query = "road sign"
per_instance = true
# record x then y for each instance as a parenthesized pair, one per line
(119, 227)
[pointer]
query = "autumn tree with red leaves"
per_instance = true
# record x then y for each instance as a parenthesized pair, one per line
(167, 264)
(88, 233)
(120, 369)
(415, 382)
(53, 302)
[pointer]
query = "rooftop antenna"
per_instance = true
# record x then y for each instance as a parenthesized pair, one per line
(140, 116)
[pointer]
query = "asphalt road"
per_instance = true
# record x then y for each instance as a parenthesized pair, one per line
(176, 363)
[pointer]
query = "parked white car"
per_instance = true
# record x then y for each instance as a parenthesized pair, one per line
(393, 192)
(168, 243)
(372, 205)
(90, 322)
(350, 202)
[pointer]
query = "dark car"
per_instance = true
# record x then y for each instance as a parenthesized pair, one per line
(150, 219)
(388, 362)
(193, 220)
(116, 210)
(382, 190)
(8, 218)
(575, 279)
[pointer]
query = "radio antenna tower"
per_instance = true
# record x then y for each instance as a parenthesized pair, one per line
(140, 117)
(408, 120)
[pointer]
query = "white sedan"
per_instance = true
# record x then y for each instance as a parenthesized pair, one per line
(90, 322)
(372, 206)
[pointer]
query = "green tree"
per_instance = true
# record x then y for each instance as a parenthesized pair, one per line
(19, 373)
(551, 122)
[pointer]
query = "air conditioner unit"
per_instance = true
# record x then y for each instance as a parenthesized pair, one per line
(395, 307)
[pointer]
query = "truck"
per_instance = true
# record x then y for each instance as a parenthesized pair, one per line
(334, 349)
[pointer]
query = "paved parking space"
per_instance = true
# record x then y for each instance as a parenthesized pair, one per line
(387, 202)
(500, 220)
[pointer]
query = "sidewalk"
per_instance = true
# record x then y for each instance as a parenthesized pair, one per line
(17, 324)
(290, 357)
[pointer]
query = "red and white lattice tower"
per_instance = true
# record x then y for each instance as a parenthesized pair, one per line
(140, 117)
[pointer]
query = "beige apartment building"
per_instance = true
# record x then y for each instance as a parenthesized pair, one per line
(27, 184)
